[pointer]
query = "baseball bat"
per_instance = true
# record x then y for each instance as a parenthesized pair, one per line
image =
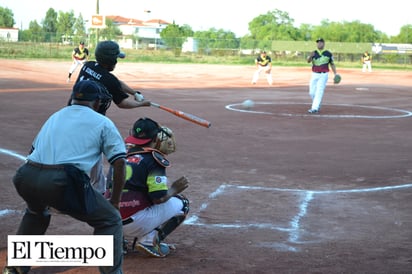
(187, 116)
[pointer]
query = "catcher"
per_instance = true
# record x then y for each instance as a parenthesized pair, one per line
(80, 55)
(150, 209)
(263, 63)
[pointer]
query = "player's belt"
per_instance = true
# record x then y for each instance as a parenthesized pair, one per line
(44, 166)
(127, 221)
(320, 71)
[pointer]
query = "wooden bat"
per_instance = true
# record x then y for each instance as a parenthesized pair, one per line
(187, 116)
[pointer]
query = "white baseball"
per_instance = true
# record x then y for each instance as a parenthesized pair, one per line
(248, 103)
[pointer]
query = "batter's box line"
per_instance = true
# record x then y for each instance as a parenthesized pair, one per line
(294, 224)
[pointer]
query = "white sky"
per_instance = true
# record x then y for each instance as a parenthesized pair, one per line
(229, 15)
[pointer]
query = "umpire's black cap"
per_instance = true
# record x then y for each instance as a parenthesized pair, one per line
(88, 90)
(320, 40)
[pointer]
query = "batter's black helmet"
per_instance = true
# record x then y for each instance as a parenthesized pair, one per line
(107, 53)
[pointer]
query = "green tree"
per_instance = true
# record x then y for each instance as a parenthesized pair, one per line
(216, 39)
(404, 36)
(49, 24)
(274, 25)
(110, 32)
(6, 18)
(80, 28)
(65, 23)
(354, 31)
(174, 36)
(34, 33)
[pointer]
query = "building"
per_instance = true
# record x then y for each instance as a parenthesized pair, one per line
(9, 34)
(138, 33)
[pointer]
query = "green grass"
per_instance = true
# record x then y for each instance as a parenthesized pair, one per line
(282, 57)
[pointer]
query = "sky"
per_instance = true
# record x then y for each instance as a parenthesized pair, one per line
(229, 15)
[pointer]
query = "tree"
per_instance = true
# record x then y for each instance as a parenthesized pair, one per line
(216, 39)
(34, 33)
(174, 36)
(50, 24)
(354, 31)
(80, 28)
(6, 18)
(111, 31)
(65, 23)
(274, 25)
(405, 35)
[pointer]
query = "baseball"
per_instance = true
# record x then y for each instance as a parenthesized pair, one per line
(248, 103)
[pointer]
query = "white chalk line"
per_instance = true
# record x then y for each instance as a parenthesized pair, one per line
(293, 229)
(404, 113)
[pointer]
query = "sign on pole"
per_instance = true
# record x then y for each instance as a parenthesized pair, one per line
(98, 21)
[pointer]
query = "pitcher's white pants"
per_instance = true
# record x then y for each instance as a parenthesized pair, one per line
(317, 88)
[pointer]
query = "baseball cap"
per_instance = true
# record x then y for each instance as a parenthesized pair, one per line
(81, 43)
(320, 40)
(143, 131)
(107, 52)
(86, 90)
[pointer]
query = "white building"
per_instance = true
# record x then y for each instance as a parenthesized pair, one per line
(138, 33)
(9, 34)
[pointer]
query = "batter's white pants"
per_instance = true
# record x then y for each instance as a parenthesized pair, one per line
(75, 64)
(317, 87)
(97, 176)
(268, 75)
(367, 65)
(145, 221)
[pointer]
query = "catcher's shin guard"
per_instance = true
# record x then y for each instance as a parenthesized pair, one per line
(170, 225)
(34, 223)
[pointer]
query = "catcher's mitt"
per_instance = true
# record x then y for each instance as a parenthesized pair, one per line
(337, 79)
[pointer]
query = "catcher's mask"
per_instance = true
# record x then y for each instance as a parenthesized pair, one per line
(146, 130)
(107, 53)
(90, 90)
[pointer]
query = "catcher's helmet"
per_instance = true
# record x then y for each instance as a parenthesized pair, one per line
(107, 53)
(143, 132)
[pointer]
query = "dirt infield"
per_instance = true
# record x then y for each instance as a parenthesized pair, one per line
(273, 189)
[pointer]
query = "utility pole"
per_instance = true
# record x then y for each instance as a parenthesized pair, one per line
(97, 12)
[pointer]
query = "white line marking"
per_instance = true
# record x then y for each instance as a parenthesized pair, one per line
(404, 113)
(5, 212)
(13, 154)
(294, 228)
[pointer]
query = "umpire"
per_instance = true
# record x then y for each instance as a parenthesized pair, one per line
(56, 173)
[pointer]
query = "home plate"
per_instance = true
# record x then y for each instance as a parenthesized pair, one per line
(362, 88)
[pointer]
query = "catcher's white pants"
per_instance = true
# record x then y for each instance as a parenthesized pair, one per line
(317, 88)
(367, 65)
(268, 74)
(145, 221)
(75, 64)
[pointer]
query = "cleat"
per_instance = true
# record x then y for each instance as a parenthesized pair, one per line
(313, 111)
(159, 251)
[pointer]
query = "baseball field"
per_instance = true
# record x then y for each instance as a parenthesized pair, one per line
(272, 188)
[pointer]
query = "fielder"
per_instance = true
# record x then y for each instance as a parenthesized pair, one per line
(366, 62)
(150, 208)
(263, 63)
(80, 55)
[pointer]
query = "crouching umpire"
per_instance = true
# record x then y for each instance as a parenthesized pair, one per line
(57, 170)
